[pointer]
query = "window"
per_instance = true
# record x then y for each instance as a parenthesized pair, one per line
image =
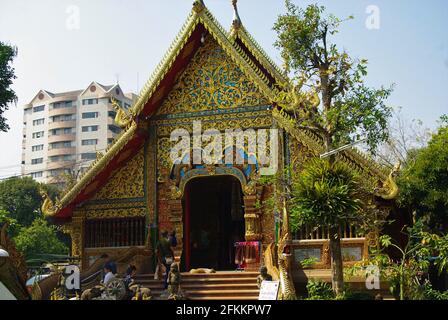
(38, 122)
(110, 140)
(89, 128)
(113, 128)
(90, 115)
(89, 142)
(38, 108)
(38, 147)
(37, 160)
(112, 114)
(62, 104)
(114, 232)
(65, 157)
(38, 134)
(59, 131)
(61, 144)
(88, 156)
(38, 174)
(58, 172)
(127, 106)
(89, 101)
(63, 117)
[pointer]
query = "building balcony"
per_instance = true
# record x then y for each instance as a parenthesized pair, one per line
(61, 111)
(61, 151)
(60, 164)
(62, 124)
(61, 137)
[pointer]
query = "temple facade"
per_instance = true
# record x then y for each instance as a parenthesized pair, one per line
(215, 80)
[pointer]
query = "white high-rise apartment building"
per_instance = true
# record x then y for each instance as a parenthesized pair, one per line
(63, 131)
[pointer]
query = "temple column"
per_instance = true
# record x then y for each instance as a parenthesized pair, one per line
(77, 236)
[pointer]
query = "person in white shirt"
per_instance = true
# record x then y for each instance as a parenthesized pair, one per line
(108, 274)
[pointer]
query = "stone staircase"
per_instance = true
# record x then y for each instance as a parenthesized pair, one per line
(222, 285)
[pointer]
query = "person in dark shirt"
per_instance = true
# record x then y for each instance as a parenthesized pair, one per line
(129, 276)
(173, 239)
(165, 254)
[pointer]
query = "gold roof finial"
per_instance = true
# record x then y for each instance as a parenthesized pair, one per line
(236, 23)
(198, 5)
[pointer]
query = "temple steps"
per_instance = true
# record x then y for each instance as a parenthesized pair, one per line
(222, 285)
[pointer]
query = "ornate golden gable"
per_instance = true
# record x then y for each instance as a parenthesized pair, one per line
(211, 81)
(127, 182)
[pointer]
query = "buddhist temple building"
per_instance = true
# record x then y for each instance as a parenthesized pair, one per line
(218, 79)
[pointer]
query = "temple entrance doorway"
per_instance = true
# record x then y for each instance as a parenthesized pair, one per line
(213, 210)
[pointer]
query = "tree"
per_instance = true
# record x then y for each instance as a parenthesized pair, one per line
(7, 95)
(405, 138)
(39, 239)
(423, 182)
(327, 94)
(325, 195)
(21, 198)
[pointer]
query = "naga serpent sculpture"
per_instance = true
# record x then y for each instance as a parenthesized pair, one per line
(48, 208)
(121, 118)
(390, 189)
(278, 262)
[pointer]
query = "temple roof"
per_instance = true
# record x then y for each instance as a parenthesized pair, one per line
(240, 47)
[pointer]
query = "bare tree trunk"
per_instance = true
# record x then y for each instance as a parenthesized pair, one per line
(337, 269)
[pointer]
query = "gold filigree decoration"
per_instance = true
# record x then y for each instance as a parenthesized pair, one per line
(116, 213)
(211, 81)
(127, 182)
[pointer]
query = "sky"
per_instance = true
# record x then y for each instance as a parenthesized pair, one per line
(63, 45)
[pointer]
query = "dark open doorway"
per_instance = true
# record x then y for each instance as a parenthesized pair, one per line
(213, 222)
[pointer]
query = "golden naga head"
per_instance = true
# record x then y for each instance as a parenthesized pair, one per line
(48, 208)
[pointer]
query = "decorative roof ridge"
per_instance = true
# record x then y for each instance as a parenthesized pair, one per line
(255, 48)
(224, 39)
(353, 155)
(199, 14)
(164, 64)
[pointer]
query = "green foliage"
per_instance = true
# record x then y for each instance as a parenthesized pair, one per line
(7, 95)
(13, 226)
(319, 290)
(39, 239)
(429, 293)
(308, 262)
(407, 276)
(324, 195)
(349, 109)
(423, 183)
(20, 197)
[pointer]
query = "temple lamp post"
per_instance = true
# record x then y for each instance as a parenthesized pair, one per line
(335, 151)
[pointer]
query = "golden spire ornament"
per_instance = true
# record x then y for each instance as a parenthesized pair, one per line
(236, 22)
